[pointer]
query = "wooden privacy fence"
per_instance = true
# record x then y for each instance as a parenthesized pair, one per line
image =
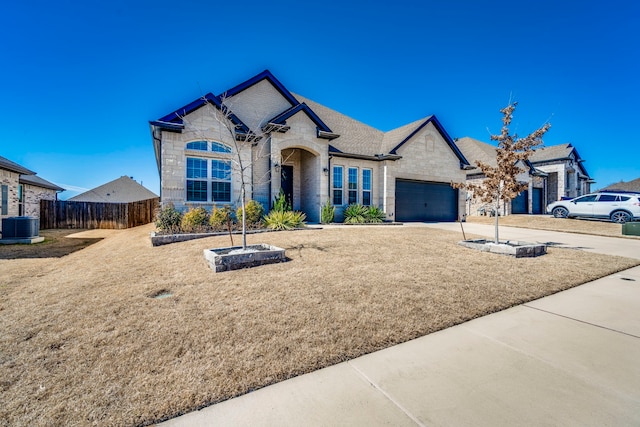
(65, 214)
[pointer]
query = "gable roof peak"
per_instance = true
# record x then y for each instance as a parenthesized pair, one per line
(265, 75)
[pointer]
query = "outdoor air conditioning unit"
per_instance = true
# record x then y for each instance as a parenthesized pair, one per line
(20, 227)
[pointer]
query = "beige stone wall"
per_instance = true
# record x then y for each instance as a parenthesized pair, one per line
(257, 104)
(10, 179)
(32, 197)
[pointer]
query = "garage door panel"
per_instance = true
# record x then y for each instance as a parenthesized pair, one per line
(425, 201)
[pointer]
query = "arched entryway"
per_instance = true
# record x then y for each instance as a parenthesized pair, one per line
(301, 179)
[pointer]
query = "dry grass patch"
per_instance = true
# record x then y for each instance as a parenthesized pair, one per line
(545, 222)
(84, 342)
(57, 243)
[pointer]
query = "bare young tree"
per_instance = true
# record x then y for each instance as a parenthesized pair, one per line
(250, 145)
(501, 182)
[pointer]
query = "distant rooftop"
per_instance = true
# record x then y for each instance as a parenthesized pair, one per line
(121, 190)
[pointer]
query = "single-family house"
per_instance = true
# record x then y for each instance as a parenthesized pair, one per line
(310, 152)
(21, 190)
(529, 201)
(567, 176)
(122, 190)
(630, 186)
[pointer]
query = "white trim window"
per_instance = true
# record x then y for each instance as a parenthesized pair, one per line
(337, 185)
(366, 187)
(203, 186)
(353, 185)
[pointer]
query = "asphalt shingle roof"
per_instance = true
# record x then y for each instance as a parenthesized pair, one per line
(633, 185)
(121, 190)
(14, 167)
(39, 182)
(355, 137)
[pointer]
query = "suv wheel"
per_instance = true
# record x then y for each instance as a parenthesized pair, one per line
(560, 212)
(620, 217)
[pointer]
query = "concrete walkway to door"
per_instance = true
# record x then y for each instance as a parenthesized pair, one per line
(570, 359)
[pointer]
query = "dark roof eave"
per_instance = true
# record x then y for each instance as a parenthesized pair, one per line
(170, 127)
(375, 158)
(327, 135)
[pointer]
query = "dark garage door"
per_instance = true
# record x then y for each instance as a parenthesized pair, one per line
(538, 207)
(520, 203)
(425, 201)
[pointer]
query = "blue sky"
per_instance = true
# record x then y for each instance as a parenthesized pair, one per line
(81, 80)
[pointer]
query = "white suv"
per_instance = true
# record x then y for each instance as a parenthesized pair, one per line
(617, 206)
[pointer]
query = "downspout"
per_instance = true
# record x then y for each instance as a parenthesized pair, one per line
(329, 179)
(384, 187)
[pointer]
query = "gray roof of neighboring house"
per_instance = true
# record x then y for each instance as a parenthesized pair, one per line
(121, 190)
(39, 182)
(633, 185)
(553, 152)
(475, 150)
(14, 167)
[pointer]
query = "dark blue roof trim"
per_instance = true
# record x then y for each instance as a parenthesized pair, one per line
(445, 135)
(333, 149)
(266, 74)
(171, 127)
(281, 118)
(176, 116)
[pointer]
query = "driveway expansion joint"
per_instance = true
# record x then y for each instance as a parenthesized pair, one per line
(581, 321)
(385, 394)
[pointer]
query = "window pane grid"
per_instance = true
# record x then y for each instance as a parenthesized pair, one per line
(337, 185)
(197, 191)
(366, 187)
(353, 185)
(196, 168)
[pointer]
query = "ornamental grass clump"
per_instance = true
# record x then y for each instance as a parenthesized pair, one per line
(359, 214)
(195, 220)
(285, 220)
(327, 213)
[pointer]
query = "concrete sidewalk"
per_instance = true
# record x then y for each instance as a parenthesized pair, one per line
(570, 359)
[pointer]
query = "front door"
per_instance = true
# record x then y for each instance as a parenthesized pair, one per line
(286, 183)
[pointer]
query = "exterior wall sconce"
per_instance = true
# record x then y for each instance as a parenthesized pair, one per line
(325, 171)
(276, 165)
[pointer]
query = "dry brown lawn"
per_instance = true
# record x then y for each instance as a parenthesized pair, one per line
(55, 245)
(567, 225)
(83, 341)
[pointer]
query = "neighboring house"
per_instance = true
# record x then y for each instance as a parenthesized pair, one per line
(633, 186)
(121, 190)
(530, 201)
(567, 176)
(310, 152)
(21, 190)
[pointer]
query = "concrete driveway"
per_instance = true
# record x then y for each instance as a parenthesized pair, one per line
(570, 359)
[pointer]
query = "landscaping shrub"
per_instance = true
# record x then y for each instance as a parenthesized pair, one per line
(358, 214)
(281, 204)
(254, 214)
(284, 220)
(355, 214)
(328, 212)
(221, 218)
(195, 220)
(168, 219)
(375, 214)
